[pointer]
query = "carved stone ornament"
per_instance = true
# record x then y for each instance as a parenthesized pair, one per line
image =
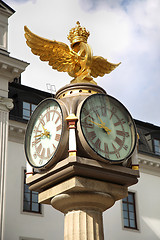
(6, 103)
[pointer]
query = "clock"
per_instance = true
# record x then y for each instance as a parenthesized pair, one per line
(106, 129)
(45, 140)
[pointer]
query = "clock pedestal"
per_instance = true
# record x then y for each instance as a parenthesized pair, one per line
(78, 183)
(83, 201)
(82, 189)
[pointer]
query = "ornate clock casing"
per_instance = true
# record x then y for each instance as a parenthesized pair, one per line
(106, 129)
(46, 135)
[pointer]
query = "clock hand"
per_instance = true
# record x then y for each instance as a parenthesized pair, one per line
(44, 128)
(106, 129)
(102, 126)
(39, 135)
(98, 124)
(46, 133)
(101, 120)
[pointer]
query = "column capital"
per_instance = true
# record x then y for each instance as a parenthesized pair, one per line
(6, 104)
(97, 201)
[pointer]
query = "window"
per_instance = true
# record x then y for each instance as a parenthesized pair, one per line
(28, 109)
(156, 144)
(30, 199)
(129, 211)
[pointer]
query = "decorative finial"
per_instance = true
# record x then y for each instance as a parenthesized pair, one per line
(78, 34)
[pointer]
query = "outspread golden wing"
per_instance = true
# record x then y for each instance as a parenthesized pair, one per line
(100, 66)
(58, 54)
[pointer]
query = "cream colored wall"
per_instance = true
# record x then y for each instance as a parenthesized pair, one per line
(148, 212)
(47, 226)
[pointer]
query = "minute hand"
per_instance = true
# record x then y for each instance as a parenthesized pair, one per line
(102, 126)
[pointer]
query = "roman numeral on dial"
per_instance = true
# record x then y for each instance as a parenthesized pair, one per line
(98, 143)
(116, 152)
(119, 141)
(91, 135)
(35, 142)
(106, 150)
(57, 137)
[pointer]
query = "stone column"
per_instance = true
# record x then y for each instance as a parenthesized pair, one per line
(5, 106)
(83, 214)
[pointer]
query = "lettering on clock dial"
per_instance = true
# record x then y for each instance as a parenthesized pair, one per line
(42, 121)
(85, 112)
(125, 147)
(106, 150)
(122, 133)
(48, 152)
(53, 115)
(57, 137)
(35, 155)
(59, 127)
(36, 130)
(53, 146)
(122, 121)
(119, 141)
(97, 113)
(40, 161)
(43, 153)
(57, 119)
(39, 148)
(104, 111)
(113, 111)
(116, 151)
(98, 143)
(35, 142)
(87, 123)
(91, 135)
(48, 116)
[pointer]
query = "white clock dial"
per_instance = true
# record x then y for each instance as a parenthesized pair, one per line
(108, 128)
(44, 132)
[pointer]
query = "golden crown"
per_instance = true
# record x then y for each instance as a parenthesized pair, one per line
(78, 34)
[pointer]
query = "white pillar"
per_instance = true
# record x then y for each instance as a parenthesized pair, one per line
(5, 106)
(72, 119)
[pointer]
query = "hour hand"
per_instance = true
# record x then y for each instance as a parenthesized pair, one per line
(39, 135)
(46, 133)
(102, 125)
(101, 120)
(98, 124)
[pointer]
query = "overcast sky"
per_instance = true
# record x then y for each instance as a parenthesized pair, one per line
(126, 31)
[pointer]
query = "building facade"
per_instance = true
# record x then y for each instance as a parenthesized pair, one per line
(136, 217)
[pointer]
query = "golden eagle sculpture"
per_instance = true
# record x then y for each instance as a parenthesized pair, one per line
(77, 61)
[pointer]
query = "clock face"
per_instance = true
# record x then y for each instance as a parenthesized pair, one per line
(108, 128)
(43, 133)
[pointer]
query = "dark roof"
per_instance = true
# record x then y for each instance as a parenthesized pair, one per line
(20, 93)
(147, 132)
(4, 6)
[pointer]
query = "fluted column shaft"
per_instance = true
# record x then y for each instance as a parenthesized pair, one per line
(83, 214)
(5, 105)
(83, 225)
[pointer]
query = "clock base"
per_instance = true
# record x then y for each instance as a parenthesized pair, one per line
(83, 167)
